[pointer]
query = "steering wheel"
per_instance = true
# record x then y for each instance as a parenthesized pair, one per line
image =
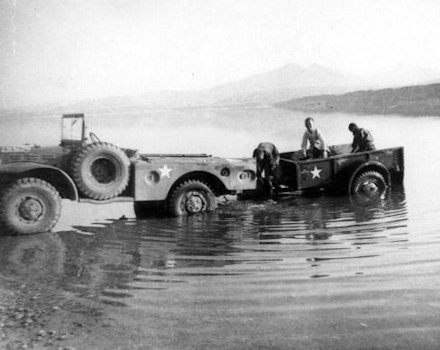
(94, 138)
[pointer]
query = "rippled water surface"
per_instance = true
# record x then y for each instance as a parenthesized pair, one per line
(301, 272)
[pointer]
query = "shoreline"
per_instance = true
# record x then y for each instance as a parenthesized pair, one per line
(39, 317)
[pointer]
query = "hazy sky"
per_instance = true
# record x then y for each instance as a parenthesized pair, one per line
(61, 50)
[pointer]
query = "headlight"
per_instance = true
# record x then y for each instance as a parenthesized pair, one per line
(225, 172)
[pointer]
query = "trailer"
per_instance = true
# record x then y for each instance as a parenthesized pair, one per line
(366, 173)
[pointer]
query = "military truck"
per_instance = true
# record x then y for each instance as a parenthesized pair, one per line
(34, 179)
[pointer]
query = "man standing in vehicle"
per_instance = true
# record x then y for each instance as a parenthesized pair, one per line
(268, 160)
(362, 139)
(315, 138)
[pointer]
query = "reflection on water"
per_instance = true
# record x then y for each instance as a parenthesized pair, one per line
(320, 270)
(38, 257)
(296, 234)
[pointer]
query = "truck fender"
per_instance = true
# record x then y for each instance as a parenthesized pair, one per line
(372, 165)
(55, 176)
(217, 186)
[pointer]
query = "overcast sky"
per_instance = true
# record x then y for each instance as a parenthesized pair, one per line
(61, 50)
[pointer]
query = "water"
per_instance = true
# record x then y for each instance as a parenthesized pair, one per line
(304, 272)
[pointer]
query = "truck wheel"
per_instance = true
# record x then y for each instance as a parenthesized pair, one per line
(29, 205)
(369, 183)
(191, 197)
(100, 170)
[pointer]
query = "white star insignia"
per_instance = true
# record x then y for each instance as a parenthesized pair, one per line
(165, 171)
(316, 173)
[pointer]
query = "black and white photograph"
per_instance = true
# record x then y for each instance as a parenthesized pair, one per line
(219, 174)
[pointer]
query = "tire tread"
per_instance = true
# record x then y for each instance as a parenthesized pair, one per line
(359, 177)
(5, 221)
(76, 168)
(177, 189)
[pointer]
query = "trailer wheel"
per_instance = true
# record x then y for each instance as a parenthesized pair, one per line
(100, 170)
(191, 197)
(369, 183)
(29, 205)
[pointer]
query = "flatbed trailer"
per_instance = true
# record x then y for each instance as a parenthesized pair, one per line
(368, 173)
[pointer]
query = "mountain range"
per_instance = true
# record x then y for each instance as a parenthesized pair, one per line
(285, 83)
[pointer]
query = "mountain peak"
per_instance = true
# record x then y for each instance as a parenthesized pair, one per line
(290, 79)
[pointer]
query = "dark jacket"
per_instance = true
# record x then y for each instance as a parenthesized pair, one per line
(270, 161)
(363, 141)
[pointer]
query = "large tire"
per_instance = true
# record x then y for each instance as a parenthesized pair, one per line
(101, 170)
(370, 184)
(30, 205)
(191, 197)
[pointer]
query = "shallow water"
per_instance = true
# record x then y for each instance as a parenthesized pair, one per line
(302, 272)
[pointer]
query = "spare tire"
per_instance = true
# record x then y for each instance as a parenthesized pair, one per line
(100, 170)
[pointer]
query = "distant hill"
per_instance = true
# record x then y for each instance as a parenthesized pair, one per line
(290, 80)
(421, 100)
(312, 88)
(276, 85)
